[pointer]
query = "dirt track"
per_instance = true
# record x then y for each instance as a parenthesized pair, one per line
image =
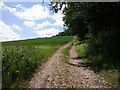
(74, 73)
(44, 75)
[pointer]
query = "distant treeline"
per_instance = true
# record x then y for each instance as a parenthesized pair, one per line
(65, 33)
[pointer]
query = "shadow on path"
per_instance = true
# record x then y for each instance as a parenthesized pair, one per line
(79, 57)
(80, 64)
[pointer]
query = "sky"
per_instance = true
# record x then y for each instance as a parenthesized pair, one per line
(25, 20)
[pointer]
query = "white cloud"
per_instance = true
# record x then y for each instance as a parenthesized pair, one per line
(1, 4)
(11, 10)
(16, 27)
(63, 7)
(20, 6)
(43, 24)
(35, 12)
(29, 15)
(47, 32)
(58, 19)
(7, 33)
(29, 23)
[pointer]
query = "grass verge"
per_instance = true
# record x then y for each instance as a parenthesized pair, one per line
(66, 52)
(109, 74)
(20, 62)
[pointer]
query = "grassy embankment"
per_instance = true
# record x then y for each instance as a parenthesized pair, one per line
(20, 58)
(99, 65)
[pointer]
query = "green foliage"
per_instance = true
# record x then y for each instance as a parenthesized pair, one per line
(105, 67)
(66, 51)
(110, 75)
(65, 33)
(74, 21)
(19, 62)
(89, 19)
(81, 49)
(106, 49)
(20, 58)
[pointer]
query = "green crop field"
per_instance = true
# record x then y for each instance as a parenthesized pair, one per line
(20, 58)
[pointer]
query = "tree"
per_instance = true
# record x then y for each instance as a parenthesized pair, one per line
(100, 22)
(89, 18)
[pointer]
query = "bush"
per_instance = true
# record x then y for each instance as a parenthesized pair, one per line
(105, 49)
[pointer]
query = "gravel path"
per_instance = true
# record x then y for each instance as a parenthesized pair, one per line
(80, 74)
(43, 77)
(57, 73)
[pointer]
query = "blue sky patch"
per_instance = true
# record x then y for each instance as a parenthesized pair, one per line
(24, 20)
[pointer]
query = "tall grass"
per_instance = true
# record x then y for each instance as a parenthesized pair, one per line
(20, 58)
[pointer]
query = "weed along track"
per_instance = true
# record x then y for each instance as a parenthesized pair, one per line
(73, 73)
